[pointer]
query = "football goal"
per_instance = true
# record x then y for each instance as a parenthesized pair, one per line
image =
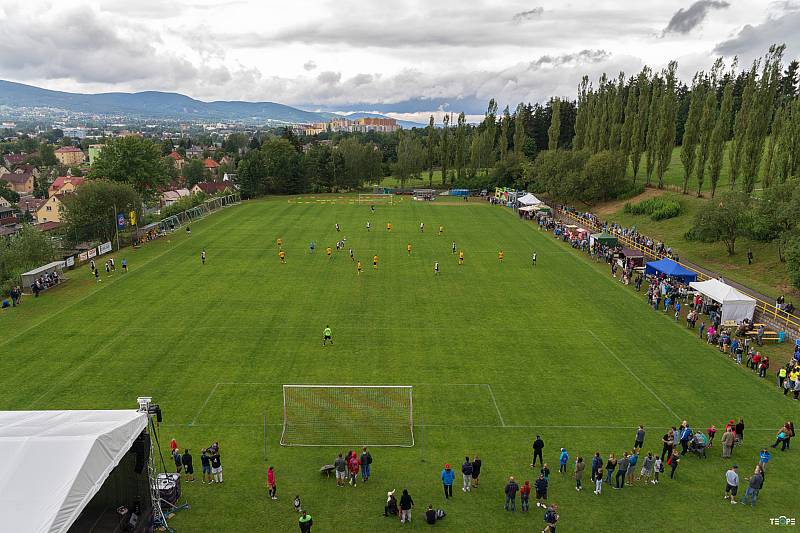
(365, 198)
(347, 415)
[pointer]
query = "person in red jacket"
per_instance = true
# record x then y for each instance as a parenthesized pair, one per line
(354, 465)
(273, 488)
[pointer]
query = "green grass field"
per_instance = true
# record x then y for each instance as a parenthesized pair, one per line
(497, 353)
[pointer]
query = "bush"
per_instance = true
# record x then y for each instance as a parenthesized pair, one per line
(187, 202)
(658, 208)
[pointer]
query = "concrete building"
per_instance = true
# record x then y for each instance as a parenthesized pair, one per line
(70, 156)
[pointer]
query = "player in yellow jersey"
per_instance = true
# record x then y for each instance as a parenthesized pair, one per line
(279, 242)
(282, 255)
(328, 251)
(461, 257)
(359, 267)
(409, 248)
(441, 230)
(388, 226)
(500, 255)
(375, 262)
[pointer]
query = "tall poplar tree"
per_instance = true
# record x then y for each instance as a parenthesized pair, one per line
(736, 152)
(582, 117)
(691, 131)
(461, 147)
(431, 147)
(707, 121)
(554, 131)
(720, 134)
(519, 132)
(653, 121)
(639, 132)
(666, 129)
(629, 122)
(444, 158)
(505, 130)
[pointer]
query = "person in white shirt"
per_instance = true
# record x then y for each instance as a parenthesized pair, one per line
(731, 484)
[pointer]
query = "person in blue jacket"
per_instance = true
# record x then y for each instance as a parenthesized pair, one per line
(448, 476)
(686, 435)
(563, 458)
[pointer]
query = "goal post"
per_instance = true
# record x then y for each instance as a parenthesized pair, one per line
(375, 198)
(348, 415)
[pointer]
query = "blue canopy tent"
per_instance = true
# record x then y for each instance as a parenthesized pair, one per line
(670, 268)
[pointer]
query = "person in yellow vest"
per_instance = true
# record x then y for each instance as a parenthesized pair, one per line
(282, 255)
(461, 257)
(436, 268)
(500, 255)
(409, 248)
(359, 267)
(388, 226)
(279, 242)
(441, 230)
(328, 251)
(782, 376)
(375, 262)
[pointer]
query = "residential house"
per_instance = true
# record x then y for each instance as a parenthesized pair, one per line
(178, 159)
(70, 156)
(4, 203)
(211, 166)
(3, 170)
(50, 211)
(30, 204)
(193, 152)
(64, 184)
(170, 197)
(20, 182)
(14, 159)
(25, 167)
(209, 187)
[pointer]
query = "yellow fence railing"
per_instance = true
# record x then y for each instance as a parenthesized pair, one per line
(765, 308)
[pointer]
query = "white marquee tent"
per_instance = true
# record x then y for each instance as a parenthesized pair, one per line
(529, 199)
(735, 305)
(54, 462)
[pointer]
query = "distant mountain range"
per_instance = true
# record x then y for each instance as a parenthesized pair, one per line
(162, 105)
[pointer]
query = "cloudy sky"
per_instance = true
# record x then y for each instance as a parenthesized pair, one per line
(404, 57)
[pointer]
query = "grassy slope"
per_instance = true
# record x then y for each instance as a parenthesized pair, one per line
(561, 346)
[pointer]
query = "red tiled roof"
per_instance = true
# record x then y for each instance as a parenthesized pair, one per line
(48, 226)
(67, 149)
(176, 156)
(212, 187)
(210, 163)
(63, 180)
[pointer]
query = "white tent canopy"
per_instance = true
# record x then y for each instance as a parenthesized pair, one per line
(735, 305)
(54, 462)
(527, 208)
(529, 199)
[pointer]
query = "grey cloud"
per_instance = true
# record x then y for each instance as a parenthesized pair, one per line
(685, 20)
(309, 65)
(362, 79)
(753, 41)
(583, 57)
(527, 15)
(329, 78)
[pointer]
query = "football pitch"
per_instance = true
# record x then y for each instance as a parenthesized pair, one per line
(496, 354)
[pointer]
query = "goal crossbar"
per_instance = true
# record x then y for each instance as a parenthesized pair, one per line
(348, 415)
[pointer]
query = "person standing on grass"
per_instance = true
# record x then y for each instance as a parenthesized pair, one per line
(406, 504)
(436, 268)
(366, 461)
(205, 464)
(658, 467)
(611, 465)
(538, 446)
(668, 443)
(216, 466)
(639, 440)
(476, 471)
(186, 459)
(511, 494)
(454, 247)
(500, 255)
(622, 470)
(326, 336)
(354, 465)
(728, 439)
(533, 259)
(632, 460)
(441, 230)
(598, 480)
(369, 225)
(756, 481)
(597, 463)
(673, 461)
(711, 432)
(740, 432)
(340, 465)
(541, 491)
(579, 467)
(273, 487)
(647, 467)
(448, 476)
(352, 257)
(461, 257)
(749, 256)
(686, 436)
(731, 484)
(176, 457)
(203, 256)
(550, 519)
(375, 262)
(305, 522)
(337, 227)
(524, 496)
(562, 461)
(359, 267)
(422, 227)
(466, 473)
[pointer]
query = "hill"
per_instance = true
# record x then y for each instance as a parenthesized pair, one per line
(158, 105)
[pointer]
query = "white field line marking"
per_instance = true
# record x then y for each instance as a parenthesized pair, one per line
(50, 316)
(494, 400)
(632, 373)
(197, 415)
